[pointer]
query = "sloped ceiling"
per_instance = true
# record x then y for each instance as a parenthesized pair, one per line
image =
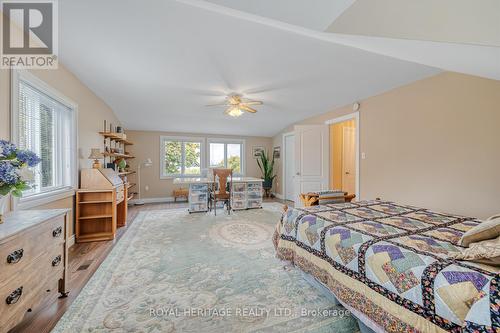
(315, 15)
(455, 35)
(157, 63)
(447, 21)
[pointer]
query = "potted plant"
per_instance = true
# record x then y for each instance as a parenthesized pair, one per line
(15, 175)
(266, 165)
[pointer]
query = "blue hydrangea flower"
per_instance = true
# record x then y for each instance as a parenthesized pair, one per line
(28, 157)
(8, 174)
(7, 148)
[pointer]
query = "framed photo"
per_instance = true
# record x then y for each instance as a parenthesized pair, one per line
(277, 152)
(258, 151)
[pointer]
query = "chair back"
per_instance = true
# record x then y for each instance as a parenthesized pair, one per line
(223, 175)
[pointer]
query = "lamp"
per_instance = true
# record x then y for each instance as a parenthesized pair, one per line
(234, 111)
(147, 163)
(96, 155)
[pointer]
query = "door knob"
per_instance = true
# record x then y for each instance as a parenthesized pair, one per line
(298, 173)
(347, 173)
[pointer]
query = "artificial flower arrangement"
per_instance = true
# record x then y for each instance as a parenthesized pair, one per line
(15, 175)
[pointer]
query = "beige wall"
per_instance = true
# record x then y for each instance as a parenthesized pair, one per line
(91, 113)
(434, 143)
(147, 145)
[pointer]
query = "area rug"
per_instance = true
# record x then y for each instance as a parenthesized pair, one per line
(175, 272)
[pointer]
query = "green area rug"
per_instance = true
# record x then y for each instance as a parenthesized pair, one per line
(175, 272)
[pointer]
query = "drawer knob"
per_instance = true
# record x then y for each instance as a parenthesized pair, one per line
(15, 256)
(57, 232)
(56, 261)
(15, 296)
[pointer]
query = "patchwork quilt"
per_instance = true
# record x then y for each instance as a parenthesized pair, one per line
(399, 252)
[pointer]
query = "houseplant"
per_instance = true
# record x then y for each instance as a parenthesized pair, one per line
(266, 165)
(15, 175)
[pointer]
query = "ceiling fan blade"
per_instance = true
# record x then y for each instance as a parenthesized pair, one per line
(252, 103)
(247, 108)
(219, 104)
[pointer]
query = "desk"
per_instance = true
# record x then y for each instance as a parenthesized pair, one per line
(245, 194)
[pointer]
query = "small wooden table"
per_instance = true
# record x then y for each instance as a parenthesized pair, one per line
(181, 193)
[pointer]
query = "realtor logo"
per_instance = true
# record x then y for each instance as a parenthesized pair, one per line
(29, 34)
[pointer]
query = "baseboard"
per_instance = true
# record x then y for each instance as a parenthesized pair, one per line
(279, 196)
(71, 241)
(153, 200)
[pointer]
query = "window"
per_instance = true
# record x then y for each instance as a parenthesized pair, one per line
(45, 123)
(181, 157)
(224, 153)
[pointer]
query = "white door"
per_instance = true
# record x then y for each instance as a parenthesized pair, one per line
(311, 159)
(349, 160)
(289, 166)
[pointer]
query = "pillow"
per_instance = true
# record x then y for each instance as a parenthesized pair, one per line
(484, 252)
(486, 230)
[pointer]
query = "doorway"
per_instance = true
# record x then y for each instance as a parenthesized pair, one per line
(288, 166)
(344, 151)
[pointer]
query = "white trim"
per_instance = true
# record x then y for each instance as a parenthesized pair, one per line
(283, 164)
(41, 198)
(228, 141)
(71, 241)
(277, 195)
(355, 116)
(152, 200)
(199, 139)
(342, 118)
(34, 200)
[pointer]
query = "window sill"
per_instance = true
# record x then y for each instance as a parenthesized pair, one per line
(42, 198)
(179, 176)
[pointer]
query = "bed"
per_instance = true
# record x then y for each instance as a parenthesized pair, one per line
(389, 264)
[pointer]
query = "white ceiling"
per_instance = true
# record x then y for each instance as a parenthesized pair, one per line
(449, 21)
(316, 14)
(158, 62)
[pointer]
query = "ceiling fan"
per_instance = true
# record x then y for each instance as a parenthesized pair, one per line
(237, 105)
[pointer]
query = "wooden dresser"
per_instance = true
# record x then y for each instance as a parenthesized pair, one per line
(101, 205)
(33, 261)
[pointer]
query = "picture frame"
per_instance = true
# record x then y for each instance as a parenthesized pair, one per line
(258, 151)
(276, 152)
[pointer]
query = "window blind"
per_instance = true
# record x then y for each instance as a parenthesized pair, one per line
(45, 126)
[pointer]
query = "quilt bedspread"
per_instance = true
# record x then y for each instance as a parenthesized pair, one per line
(402, 253)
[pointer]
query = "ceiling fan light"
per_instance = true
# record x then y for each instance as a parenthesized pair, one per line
(234, 112)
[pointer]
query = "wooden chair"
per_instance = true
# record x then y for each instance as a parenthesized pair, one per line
(220, 193)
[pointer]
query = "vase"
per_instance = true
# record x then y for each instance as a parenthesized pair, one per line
(3, 205)
(267, 184)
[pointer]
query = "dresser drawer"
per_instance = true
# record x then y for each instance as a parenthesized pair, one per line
(22, 290)
(45, 290)
(18, 253)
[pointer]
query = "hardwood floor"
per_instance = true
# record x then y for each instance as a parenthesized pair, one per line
(84, 259)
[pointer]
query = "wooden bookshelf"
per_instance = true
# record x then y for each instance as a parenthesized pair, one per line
(112, 141)
(118, 155)
(125, 173)
(101, 205)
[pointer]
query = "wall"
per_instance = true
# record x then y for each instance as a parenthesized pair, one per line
(336, 147)
(147, 145)
(433, 143)
(91, 113)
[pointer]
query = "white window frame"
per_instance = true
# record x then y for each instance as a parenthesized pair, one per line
(58, 193)
(229, 141)
(201, 140)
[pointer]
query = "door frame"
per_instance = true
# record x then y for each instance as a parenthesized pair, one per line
(283, 158)
(355, 116)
